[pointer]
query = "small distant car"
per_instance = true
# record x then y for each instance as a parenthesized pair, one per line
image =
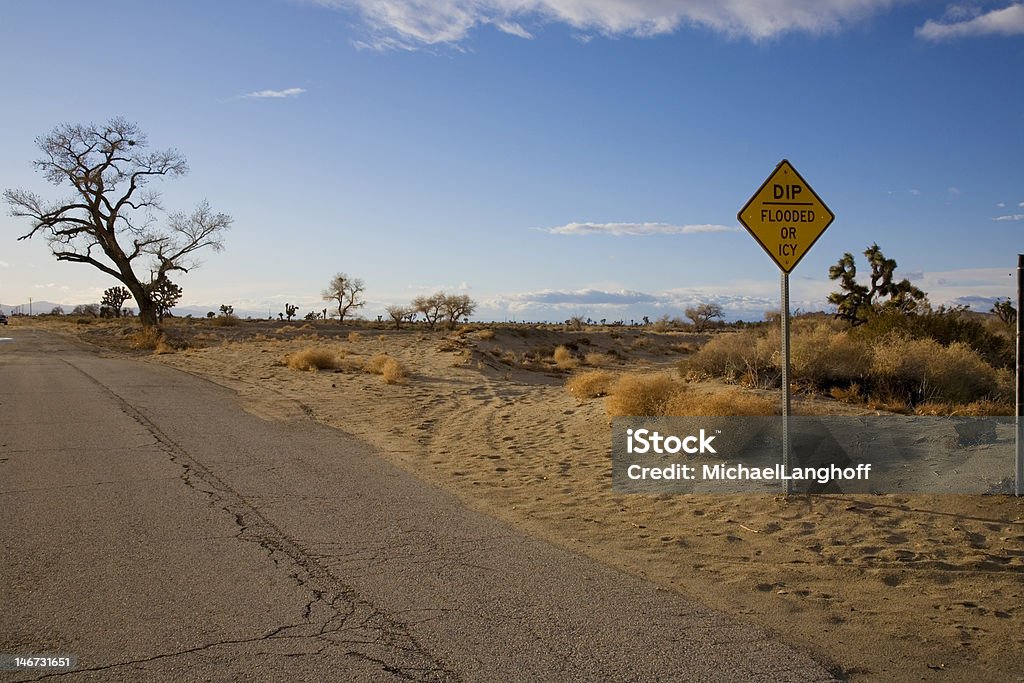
(3, 319)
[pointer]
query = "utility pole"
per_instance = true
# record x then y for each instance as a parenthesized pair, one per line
(1019, 483)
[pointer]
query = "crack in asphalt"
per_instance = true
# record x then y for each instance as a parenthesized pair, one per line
(335, 616)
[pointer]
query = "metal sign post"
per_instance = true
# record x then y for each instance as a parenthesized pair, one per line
(1020, 376)
(786, 217)
(785, 379)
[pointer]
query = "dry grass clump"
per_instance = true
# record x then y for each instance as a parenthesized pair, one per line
(982, 408)
(163, 347)
(564, 360)
(850, 394)
(596, 359)
(147, 339)
(642, 395)
(390, 369)
(353, 337)
(726, 402)
(225, 321)
(591, 384)
(485, 335)
(312, 358)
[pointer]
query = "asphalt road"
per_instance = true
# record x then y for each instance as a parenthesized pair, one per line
(155, 530)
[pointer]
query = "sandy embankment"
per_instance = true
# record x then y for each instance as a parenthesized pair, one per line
(882, 587)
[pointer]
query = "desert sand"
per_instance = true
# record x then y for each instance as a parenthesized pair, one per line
(879, 587)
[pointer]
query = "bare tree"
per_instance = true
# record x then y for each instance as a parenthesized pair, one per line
(347, 292)
(110, 222)
(400, 314)
(457, 306)
(702, 314)
(432, 307)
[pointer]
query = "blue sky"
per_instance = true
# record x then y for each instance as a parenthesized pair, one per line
(548, 157)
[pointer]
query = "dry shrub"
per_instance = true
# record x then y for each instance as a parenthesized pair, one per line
(564, 359)
(163, 348)
(923, 369)
(850, 394)
(749, 357)
(225, 321)
(591, 384)
(982, 408)
(726, 402)
(286, 328)
(596, 359)
(387, 367)
(312, 359)
(639, 343)
(485, 335)
(642, 394)
(146, 339)
(889, 404)
(823, 357)
(353, 337)
(393, 372)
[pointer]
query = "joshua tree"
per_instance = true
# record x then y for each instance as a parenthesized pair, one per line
(855, 301)
(114, 298)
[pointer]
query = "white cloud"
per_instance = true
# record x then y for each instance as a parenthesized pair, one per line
(1021, 205)
(953, 190)
(1011, 217)
(620, 229)
(1001, 205)
(1008, 21)
(275, 94)
(4, 264)
(408, 24)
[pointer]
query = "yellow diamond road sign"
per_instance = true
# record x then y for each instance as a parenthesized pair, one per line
(786, 216)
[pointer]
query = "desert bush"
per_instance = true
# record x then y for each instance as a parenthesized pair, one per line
(485, 335)
(824, 358)
(591, 384)
(146, 339)
(946, 326)
(749, 357)
(642, 394)
(725, 402)
(850, 394)
(353, 337)
(564, 360)
(225, 321)
(982, 408)
(597, 359)
(387, 367)
(916, 370)
(312, 358)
